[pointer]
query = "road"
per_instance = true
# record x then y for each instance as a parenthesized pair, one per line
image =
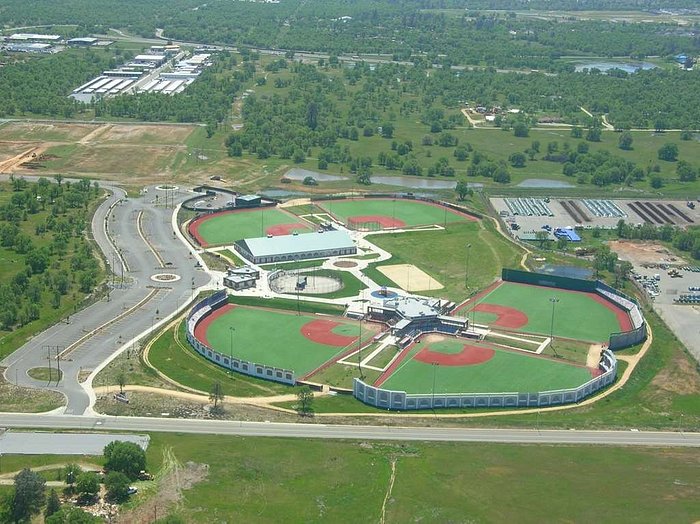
(263, 429)
(136, 237)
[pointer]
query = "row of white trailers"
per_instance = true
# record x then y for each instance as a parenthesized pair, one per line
(167, 87)
(105, 85)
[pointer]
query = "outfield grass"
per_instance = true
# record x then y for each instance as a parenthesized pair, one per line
(577, 315)
(507, 371)
(177, 360)
(275, 338)
(227, 227)
(411, 212)
(443, 255)
(314, 480)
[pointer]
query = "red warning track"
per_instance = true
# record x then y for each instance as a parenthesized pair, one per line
(321, 331)
(469, 356)
(285, 229)
(200, 330)
(508, 317)
(382, 220)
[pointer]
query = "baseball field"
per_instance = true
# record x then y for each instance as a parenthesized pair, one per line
(228, 226)
(300, 343)
(448, 365)
(527, 308)
(390, 213)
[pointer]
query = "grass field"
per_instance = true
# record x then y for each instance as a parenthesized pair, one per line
(443, 255)
(506, 371)
(347, 481)
(227, 227)
(410, 212)
(275, 338)
(577, 315)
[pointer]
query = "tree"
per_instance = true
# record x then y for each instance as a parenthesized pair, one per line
(216, 394)
(622, 272)
(520, 130)
(127, 457)
(686, 172)
(29, 495)
(387, 130)
(53, 505)
(656, 182)
(463, 190)
(117, 485)
(309, 181)
(593, 135)
(305, 399)
(576, 132)
(88, 486)
(562, 243)
(625, 141)
(121, 380)
(517, 159)
(71, 473)
(668, 152)
(541, 236)
(72, 515)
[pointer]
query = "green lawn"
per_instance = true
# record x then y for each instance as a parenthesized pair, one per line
(443, 255)
(411, 212)
(577, 315)
(227, 227)
(507, 371)
(313, 480)
(275, 339)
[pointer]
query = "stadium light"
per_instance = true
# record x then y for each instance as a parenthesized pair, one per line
(232, 330)
(466, 270)
(551, 326)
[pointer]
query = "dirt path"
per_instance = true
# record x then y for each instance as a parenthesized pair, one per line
(593, 357)
(98, 131)
(473, 122)
(11, 164)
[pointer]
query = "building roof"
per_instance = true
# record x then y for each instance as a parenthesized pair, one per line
(149, 58)
(33, 36)
(412, 307)
(83, 40)
(291, 244)
(248, 198)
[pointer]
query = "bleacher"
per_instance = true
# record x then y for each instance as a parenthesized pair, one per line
(630, 306)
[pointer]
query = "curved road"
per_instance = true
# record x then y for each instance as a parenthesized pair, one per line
(137, 239)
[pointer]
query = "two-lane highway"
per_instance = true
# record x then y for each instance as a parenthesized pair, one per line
(325, 431)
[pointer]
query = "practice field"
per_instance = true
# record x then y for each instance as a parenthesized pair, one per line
(228, 226)
(392, 212)
(410, 277)
(526, 308)
(461, 366)
(300, 343)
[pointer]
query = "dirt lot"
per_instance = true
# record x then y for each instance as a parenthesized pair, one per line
(53, 132)
(145, 134)
(639, 253)
(410, 277)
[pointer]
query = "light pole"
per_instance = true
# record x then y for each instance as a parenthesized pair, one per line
(435, 365)
(232, 330)
(359, 352)
(466, 270)
(551, 326)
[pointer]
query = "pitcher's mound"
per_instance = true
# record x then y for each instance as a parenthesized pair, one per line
(410, 277)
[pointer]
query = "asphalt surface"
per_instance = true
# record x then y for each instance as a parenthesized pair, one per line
(265, 429)
(134, 305)
(45, 443)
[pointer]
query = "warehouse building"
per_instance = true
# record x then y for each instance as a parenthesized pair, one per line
(265, 250)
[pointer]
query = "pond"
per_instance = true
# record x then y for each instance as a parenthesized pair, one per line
(411, 182)
(544, 183)
(629, 67)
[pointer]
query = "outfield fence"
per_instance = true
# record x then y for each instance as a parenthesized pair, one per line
(616, 341)
(205, 308)
(402, 401)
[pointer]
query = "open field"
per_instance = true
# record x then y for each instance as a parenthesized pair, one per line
(25, 400)
(443, 256)
(348, 481)
(228, 226)
(296, 342)
(520, 307)
(459, 366)
(45, 132)
(392, 212)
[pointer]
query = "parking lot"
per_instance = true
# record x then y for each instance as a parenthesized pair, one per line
(533, 214)
(665, 278)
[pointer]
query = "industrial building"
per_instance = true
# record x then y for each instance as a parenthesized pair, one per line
(286, 248)
(82, 42)
(33, 37)
(238, 278)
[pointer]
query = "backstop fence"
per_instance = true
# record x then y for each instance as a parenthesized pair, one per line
(203, 309)
(402, 401)
(616, 341)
